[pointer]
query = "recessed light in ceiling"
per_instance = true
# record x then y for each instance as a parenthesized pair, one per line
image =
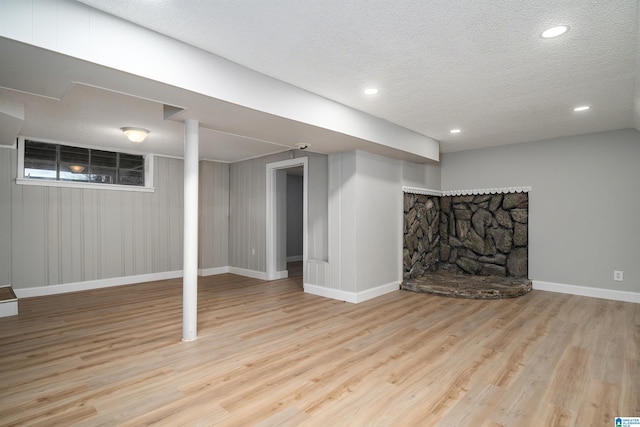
(582, 108)
(455, 131)
(554, 32)
(371, 91)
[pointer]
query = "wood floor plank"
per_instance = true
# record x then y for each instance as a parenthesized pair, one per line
(268, 354)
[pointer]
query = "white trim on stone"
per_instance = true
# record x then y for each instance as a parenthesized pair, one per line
(475, 192)
(423, 191)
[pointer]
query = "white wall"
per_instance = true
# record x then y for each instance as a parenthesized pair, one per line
(365, 223)
(247, 221)
(71, 235)
(583, 208)
(294, 215)
(422, 176)
(6, 160)
(74, 29)
(213, 242)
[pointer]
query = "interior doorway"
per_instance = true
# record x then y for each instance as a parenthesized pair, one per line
(276, 227)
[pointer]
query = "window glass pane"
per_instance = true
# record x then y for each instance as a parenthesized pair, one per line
(131, 177)
(74, 155)
(73, 172)
(40, 173)
(103, 175)
(66, 163)
(131, 161)
(104, 158)
(39, 151)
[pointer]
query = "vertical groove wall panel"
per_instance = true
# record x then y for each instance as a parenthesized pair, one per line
(137, 225)
(247, 206)
(213, 218)
(55, 242)
(176, 213)
(89, 236)
(221, 215)
(32, 257)
(6, 160)
(127, 232)
(67, 235)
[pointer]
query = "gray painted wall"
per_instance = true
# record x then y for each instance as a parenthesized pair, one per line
(6, 160)
(213, 250)
(583, 209)
(69, 235)
(365, 213)
(294, 215)
(423, 176)
(247, 209)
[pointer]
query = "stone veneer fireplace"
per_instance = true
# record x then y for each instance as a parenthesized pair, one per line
(481, 234)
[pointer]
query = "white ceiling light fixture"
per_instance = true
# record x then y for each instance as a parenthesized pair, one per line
(554, 32)
(454, 131)
(582, 108)
(135, 134)
(371, 91)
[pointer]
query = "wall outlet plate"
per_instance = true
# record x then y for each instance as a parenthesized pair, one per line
(618, 275)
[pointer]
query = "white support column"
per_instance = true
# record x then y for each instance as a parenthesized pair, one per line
(190, 255)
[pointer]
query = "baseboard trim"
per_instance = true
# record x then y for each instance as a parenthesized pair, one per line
(352, 297)
(8, 308)
(248, 273)
(284, 274)
(213, 271)
(95, 284)
(585, 291)
(294, 258)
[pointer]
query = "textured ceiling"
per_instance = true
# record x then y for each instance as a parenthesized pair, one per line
(477, 65)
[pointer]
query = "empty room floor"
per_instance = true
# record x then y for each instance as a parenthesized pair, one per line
(269, 354)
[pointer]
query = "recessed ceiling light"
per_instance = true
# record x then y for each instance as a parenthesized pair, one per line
(582, 108)
(455, 131)
(554, 32)
(371, 91)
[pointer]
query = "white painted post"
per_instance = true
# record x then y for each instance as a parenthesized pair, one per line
(190, 252)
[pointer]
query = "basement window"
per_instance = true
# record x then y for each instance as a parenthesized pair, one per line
(56, 164)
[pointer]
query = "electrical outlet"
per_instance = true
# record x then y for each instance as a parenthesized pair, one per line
(618, 275)
(253, 251)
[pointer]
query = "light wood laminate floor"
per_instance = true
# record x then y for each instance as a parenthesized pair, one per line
(269, 354)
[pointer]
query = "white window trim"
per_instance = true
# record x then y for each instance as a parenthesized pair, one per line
(21, 180)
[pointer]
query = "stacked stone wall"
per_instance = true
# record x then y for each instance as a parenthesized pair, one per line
(421, 250)
(481, 234)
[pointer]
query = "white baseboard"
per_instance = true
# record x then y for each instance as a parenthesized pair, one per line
(281, 275)
(352, 297)
(294, 258)
(248, 273)
(213, 271)
(95, 284)
(8, 308)
(585, 291)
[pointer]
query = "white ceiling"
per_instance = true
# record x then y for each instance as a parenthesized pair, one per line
(477, 65)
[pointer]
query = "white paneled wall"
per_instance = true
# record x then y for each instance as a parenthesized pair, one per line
(213, 251)
(71, 235)
(247, 221)
(5, 215)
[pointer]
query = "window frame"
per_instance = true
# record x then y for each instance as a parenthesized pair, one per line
(20, 179)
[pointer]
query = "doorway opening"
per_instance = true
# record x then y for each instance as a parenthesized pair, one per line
(276, 227)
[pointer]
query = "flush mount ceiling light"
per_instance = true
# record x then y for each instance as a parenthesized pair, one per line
(455, 131)
(554, 32)
(135, 134)
(582, 108)
(76, 168)
(371, 91)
